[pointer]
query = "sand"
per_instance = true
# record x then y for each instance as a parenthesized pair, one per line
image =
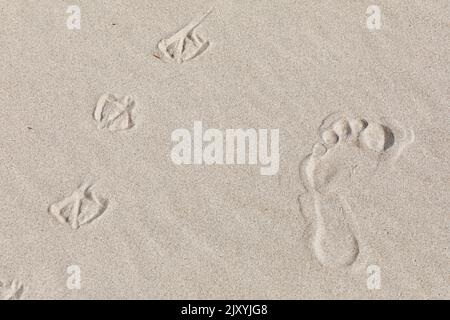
(93, 207)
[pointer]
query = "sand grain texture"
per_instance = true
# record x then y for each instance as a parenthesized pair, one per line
(96, 106)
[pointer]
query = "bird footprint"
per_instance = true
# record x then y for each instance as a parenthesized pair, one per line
(184, 45)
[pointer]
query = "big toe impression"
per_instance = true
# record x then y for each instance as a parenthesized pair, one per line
(376, 137)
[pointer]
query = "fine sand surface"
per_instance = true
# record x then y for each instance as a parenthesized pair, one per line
(88, 184)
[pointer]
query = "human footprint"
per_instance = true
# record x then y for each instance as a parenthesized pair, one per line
(184, 45)
(114, 113)
(12, 290)
(350, 150)
(81, 207)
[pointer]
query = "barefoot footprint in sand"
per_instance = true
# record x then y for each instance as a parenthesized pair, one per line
(81, 207)
(114, 113)
(12, 290)
(184, 45)
(350, 150)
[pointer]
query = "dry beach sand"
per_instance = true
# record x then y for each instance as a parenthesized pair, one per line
(88, 186)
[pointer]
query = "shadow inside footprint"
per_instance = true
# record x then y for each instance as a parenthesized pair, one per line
(389, 138)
